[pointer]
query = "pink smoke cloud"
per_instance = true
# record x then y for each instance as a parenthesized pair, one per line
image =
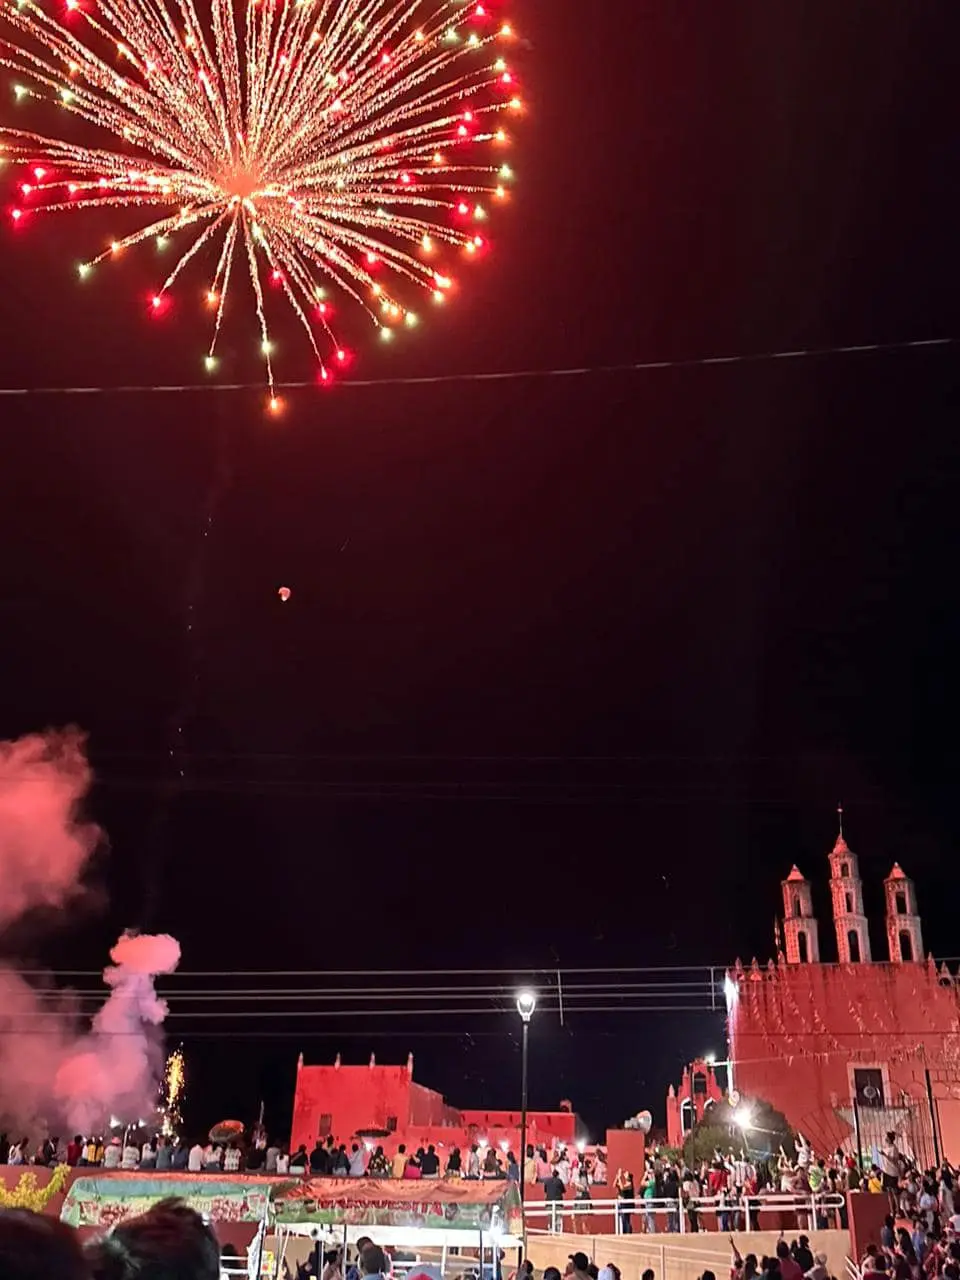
(44, 843)
(54, 1072)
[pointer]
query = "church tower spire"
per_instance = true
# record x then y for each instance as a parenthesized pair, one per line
(801, 941)
(904, 937)
(846, 893)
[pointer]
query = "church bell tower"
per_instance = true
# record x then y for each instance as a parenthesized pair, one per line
(904, 937)
(846, 893)
(800, 938)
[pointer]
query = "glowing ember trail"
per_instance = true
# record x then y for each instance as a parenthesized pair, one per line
(333, 147)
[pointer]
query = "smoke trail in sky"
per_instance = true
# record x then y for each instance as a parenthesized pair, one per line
(53, 1071)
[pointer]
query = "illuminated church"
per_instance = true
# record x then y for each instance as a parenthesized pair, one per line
(852, 1049)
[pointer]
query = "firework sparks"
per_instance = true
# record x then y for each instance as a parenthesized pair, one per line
(171, 1093)
(332, 149)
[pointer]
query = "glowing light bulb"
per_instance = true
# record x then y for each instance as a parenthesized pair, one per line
(506, 171)
(210, 363)
(410, 319)
(419, 36)
(266, 347)
(372, 259)
(427, 244)
(16, 214)
(376, 291)
(83, 270)
(162, 242)
(385, 333)
(437, 158)
(155, 301)
(478, 241)
(437, 296)
(500, 193)
(506, 29)
(212, 297)
(473, 39)
(516, 104)
(19, 91)
(276, 404)
(405, 178)
(39, 174)
(342, 356)
(463, 207)
(25, 188)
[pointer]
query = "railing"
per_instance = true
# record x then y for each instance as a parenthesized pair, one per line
(698, 1213)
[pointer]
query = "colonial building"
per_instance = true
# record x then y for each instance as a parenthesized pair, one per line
(386, 1105)
(860, 1046)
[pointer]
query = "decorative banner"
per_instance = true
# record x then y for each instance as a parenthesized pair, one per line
(454, 1205)
(103, 1202)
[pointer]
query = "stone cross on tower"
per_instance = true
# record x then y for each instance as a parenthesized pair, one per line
(846, 893)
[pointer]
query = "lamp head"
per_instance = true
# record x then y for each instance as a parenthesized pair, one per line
(526, 1004)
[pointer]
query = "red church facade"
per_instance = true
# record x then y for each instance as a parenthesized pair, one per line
(687, 1105)
(347, 1101)
(857, 1047)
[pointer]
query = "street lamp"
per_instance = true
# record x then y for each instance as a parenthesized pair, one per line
(526, 1004)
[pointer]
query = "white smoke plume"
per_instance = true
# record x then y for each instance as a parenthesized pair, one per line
(55, 1072)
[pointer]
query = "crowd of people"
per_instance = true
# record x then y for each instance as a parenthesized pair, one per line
(168, 1242)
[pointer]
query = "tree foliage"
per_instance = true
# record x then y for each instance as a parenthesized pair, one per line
(720, 1129)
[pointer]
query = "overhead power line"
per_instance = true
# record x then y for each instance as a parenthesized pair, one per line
(506, 375)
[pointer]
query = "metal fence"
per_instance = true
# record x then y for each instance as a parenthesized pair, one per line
(686, 1215)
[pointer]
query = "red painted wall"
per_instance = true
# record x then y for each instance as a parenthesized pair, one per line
(796, 1032)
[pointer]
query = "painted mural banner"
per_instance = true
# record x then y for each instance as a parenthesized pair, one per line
(104, 1202)
(450, 1204)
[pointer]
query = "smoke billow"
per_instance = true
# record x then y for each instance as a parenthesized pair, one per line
(54, 1072)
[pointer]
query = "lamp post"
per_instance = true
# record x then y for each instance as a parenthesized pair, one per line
(526, 1004)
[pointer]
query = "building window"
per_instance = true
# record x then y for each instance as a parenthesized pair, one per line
(906, 947)
(325, 1127)
(849, 898)
(853, 946)
(802, 951)
(391, 1124)
(901, 904)
(796, 905)
(699, 1083)
(844, 869)
(868, 1086)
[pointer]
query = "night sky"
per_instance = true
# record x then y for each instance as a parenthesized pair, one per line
(573, 668)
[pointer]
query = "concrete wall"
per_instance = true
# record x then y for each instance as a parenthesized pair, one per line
(677, 1257)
